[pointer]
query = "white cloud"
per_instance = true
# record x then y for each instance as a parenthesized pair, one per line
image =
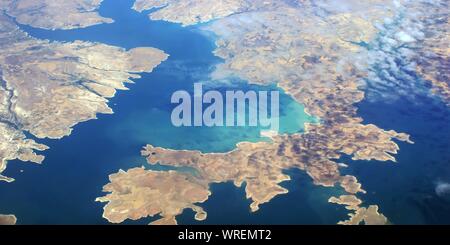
(404, 37)
(442, 189)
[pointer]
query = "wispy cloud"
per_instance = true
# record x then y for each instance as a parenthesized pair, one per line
(442, 189)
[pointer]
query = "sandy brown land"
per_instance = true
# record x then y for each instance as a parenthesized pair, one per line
(312, 50)
(351, 202)
(7, 219)
(55, 14)
(368, 216)
(191, 12)
(47, 87)
(138, 193)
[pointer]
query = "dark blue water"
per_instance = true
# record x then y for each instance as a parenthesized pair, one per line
(405, 190)
(305, 203)
(63, 189)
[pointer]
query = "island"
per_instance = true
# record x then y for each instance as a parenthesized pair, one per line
(192, 12)
(138, 193)
(433, 56)
(369, 215)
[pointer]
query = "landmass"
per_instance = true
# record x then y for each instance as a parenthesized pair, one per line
(48, 87)
(7, 219)
(139, 193)
(55, 14)
(434, 53)
(191, 12)
(317, 52)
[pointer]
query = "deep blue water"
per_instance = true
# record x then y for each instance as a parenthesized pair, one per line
(63, 189)
(405, 190)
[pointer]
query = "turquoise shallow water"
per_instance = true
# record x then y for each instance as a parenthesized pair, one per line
(63, 189)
